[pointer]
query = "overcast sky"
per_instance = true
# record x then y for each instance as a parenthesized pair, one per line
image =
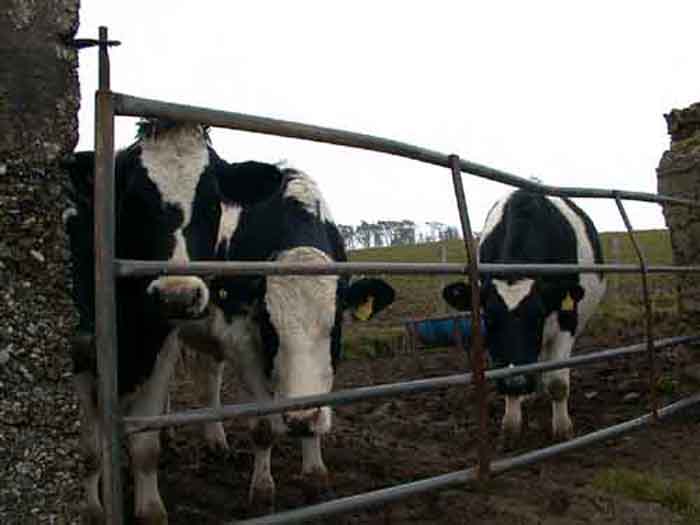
(571, 94)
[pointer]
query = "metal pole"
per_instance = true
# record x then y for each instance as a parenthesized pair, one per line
(477, 348)
(651, 351)
(346, 397)
(383, 496)
(128, 105)
(105, 300)
(133, 268)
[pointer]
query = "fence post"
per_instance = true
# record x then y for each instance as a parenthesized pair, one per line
(477, 347)
(105, 300)
(651, 351)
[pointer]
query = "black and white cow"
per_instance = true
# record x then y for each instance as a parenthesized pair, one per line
(535, 318)
(169, 189)
(283, 333)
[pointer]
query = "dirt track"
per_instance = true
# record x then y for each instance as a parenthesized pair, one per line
(380, 444)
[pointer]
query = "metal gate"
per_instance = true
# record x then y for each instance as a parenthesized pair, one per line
(108, 269)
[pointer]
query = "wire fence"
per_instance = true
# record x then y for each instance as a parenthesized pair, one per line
(108, 269)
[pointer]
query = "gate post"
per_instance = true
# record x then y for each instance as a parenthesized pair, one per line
(479, 360)
(105, 299)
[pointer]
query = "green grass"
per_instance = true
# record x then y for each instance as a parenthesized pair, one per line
(419, 296)
(679, 496)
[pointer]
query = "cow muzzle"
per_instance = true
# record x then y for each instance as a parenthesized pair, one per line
(307, 423)
(178, 297)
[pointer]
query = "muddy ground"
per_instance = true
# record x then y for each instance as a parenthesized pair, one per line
(379, 444)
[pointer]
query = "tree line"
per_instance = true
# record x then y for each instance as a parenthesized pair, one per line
(395, 233)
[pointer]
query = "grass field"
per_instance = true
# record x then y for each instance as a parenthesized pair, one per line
(419, 296)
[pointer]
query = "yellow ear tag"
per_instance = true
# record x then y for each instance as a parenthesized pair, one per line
(567, 305)
(365, 310)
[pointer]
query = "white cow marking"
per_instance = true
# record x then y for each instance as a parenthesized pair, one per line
(513, 294)
(175, 161)
(494, 216)
(302, 310)
(304, 189)
(230, 216)
(593, 284)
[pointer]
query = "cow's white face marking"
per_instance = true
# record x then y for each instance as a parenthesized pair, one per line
(175, 161)
(304, 189)
(513, 294)
(302, 310)
(230, 216)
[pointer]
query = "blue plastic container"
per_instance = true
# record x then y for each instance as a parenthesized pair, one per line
(442, 332)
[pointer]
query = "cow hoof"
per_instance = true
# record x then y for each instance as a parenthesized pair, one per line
(509, 441)
(93, 515)
(216, 440)
(316, 487)
(153, 514)
(510, 437)
(261, 501)
(563, 433)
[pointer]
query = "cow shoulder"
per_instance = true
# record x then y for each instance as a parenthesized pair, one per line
(247, 183)
(591, 232)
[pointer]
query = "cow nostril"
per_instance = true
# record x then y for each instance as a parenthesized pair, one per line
(197, 295)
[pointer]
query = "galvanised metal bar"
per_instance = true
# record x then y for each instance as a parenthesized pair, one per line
(347, 397)
(535, 456)
(649, 324)
(383, 496)
(478, 358)
(133, 268)
(105, 299)
(128, 105)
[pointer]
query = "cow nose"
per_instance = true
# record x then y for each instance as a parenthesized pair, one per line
(301, 423)
(177, 297)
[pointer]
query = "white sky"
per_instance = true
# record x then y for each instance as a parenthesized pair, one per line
(572, 94)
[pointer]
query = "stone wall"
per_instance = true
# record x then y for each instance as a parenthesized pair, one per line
(679, 175)
(39, 100)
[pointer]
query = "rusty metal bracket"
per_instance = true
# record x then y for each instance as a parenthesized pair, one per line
(85, 43)
(649, 322)
(478, 358)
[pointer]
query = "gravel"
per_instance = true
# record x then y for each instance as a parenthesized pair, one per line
(40, 459)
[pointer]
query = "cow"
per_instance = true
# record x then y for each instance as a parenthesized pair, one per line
(530, 318)
(170, 186)
(283, 333)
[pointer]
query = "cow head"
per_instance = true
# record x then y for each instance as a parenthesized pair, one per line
(305, 362)
(515, 312)
(171, 187)
(295, 323)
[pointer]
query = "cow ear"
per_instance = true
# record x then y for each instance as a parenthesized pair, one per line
(367, 297)
(577, 292)
(458, 295)
(572, 295)
(248, 183)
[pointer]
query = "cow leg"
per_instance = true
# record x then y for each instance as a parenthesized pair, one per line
(209, 373)
(557, 385)
(512, 420)
(261, 495)
(170, 431)
(313, 470)
(144, 447)
(91, 438)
